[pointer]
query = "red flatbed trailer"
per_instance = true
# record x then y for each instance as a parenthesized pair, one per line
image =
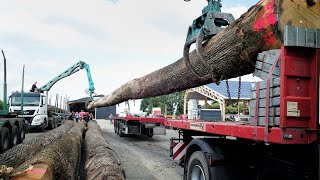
(131, 125)
(240, 130)
(287, 151)
(239, 150)
(299, 84)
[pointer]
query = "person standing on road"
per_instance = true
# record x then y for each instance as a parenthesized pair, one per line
(77, 115)
(91, 116)
(111, 118)
(71, 116)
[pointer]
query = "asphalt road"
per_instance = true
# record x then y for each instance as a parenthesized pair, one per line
(143, 157)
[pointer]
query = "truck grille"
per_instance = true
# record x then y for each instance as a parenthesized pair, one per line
(26, 112)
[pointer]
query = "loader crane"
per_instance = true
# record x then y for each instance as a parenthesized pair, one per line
(36, 109)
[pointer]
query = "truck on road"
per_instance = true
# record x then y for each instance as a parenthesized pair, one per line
(39, 114)
(12, 127)
(35, 109)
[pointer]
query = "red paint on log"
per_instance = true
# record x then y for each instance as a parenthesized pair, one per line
(37, 171)
(267, 19)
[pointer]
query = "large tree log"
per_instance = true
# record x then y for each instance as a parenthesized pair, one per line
(101, 161)
(62, 156)
(231, 53)
(19, 154)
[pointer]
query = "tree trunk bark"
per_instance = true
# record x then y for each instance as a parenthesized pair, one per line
(230, 53)
(101, 161)
(62, 156)
(17, 155)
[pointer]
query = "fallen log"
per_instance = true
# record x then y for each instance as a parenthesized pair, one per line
(230, 53)
(60, 160)
(19, 154)
(101, 161)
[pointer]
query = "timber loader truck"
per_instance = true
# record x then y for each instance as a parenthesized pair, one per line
(12, 127)
(38, 113)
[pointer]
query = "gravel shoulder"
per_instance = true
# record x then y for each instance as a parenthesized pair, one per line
(143, 157)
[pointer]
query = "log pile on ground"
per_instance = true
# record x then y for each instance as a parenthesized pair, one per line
(58, 150)
(57, 154)
(102, 162)
(230, 53)
(17, 155)
(62, 157)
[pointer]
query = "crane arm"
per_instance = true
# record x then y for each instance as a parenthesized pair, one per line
(91, 84)
(71, 70)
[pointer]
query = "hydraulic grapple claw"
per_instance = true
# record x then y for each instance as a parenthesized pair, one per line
(188, 63)
(203, 28)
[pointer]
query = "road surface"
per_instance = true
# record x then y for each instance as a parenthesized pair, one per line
(143, 157)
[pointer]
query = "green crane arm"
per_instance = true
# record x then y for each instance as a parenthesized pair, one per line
(73, 69)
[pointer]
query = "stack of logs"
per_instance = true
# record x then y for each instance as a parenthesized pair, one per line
(56, 154)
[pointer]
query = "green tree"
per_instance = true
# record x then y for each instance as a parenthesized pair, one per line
(167, 103)
(232, 107)
(215, 105)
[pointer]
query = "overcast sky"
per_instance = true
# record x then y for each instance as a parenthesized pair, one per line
(119, 39)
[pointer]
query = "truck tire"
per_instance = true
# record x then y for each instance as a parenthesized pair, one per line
(118, 128)
(121, 134)
(22, 133)
(198, 168)
(150, 133)
(54, 124)
(4, 139)
(43, 126)
(50, 126)
(14, 136)
(115, 126)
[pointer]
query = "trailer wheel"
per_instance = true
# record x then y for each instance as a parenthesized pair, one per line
(118, 128)
(14, 136)
(197, 167)
(22, 133)
(4, 140)
(150, 133)
(115, 126)
(55, 124)
(50, 126)
(121, 134)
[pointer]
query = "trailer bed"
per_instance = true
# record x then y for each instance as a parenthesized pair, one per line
(299, 102)
(244, 130)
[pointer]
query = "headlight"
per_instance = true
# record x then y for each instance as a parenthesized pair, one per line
(37, 120)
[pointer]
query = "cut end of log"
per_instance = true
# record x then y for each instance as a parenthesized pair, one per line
(36, 172)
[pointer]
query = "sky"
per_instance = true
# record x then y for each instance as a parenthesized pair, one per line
(119, 39)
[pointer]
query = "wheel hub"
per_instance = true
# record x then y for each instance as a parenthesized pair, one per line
(197, 173)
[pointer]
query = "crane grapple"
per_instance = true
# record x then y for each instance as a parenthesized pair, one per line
(203, 28)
